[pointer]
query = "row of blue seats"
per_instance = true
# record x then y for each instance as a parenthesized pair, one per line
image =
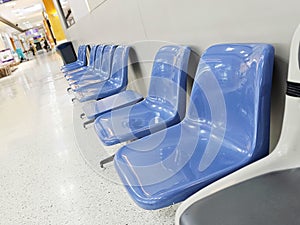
(173, 154)
(105, 75)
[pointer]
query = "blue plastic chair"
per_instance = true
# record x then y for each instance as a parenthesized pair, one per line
(91, 73)
(116, 83)
(80, 62)
(85, 69)
(97, 76)
(226, 128)
(163, 107)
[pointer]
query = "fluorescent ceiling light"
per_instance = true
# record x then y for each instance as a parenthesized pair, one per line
(33, 8)
(21, 13)
(17, 12)
(10, 4)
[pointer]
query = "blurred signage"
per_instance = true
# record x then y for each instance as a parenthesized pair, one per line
(3, 1)
(6, 56)
(32, 31)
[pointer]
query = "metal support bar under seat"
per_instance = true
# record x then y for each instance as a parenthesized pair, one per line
(82, 115)
(107, 160)
(87, 123)
(73, 99)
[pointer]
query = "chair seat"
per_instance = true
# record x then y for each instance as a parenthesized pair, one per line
(133, 122)
(88, 82)
(77, 72)
(76, 63)
(77, 77)
(167, 175)
(122, 99)
(98, 91)
(72, 67)
(80, 70)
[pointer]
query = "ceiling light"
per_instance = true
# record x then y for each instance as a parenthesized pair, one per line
(10, 4)
(33, 8)
(17, 11)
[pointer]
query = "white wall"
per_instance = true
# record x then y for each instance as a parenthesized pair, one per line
(79, 9)
(200, 23)
(197, 24)
(113, 21)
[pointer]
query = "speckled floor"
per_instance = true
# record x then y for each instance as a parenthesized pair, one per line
(49, 164)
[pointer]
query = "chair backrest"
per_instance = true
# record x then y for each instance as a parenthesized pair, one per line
(119, 69)
(98, 57)
(106, 61)
(93, 56)
(169, 76)
(80, 49)
(231, 94)
(82, 54)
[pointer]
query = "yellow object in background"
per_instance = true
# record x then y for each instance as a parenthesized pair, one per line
(54, 20)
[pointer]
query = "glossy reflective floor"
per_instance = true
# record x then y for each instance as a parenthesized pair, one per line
(49, 171)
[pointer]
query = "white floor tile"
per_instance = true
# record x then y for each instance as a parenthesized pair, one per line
(49, 164)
